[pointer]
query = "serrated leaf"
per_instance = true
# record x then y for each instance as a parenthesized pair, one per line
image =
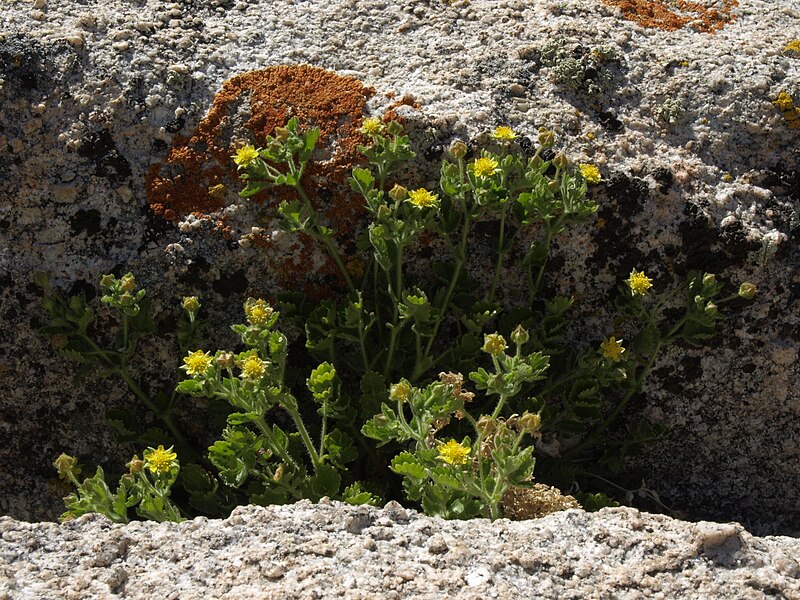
(406, 464)
(325, 482)
(195, 478)
(190, 386)
(238, 418)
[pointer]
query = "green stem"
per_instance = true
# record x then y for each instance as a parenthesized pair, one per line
(325, 239)
(460, 256)
(276, 447)
(500, 255)
(324, 428)
(301, 429)
(270, 480)
(615, 413)
(534, 287)
(165, 418)
(396, 299)
(362, 344)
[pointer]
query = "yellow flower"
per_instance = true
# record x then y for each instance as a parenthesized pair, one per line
(422, 198)
(612, 349)
(258, 312)
(484, 167)
(159, 460)
(639, 282)
(253, 367)
(453, 453)
(197, 363)
(494, 344)
(590, 173)
(245, 155)
(504, 134)
(372, 126)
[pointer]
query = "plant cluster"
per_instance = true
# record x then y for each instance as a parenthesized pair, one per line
(427, 377)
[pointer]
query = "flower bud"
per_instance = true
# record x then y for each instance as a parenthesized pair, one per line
(458, 149)
(546, 138)
(274, 147)
(400, 392)
(384, 212)
(398, 193)
(747, 290)
(128, 283)
(66, 464)
(191, 304)
(106, 281)
(486, 426)
(710, 309)
(709, 279)
(126, 299)
(136, 465)
(530, 422)
(278, 473)
(553, 185)
(561, 161)
(281, 134)
(494, 344)
(520, 335)
(699, 300)
(226, 360)
(535, 161)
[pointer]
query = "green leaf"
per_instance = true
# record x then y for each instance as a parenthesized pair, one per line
(340, 448)
(594, 502)
(123, 423)
(325, 482)
(408, 465)
(143, 322)
(190, 386)
(385, 427)
(243, 418)
(235, 455)
(373, 392)
(195, 478)
(323, 382)
(442, 477)
(356, 494)
(310, 140)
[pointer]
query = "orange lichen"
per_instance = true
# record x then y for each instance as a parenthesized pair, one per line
(672, 15)
(198, 170)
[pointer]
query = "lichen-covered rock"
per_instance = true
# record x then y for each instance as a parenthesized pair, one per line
(102, 117)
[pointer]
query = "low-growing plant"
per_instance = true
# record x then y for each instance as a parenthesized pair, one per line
(387, 355)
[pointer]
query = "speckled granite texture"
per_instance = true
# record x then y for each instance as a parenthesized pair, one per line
(339, 551)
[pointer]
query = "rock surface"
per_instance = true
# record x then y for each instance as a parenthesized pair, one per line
(332, 550)
(700, 167)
